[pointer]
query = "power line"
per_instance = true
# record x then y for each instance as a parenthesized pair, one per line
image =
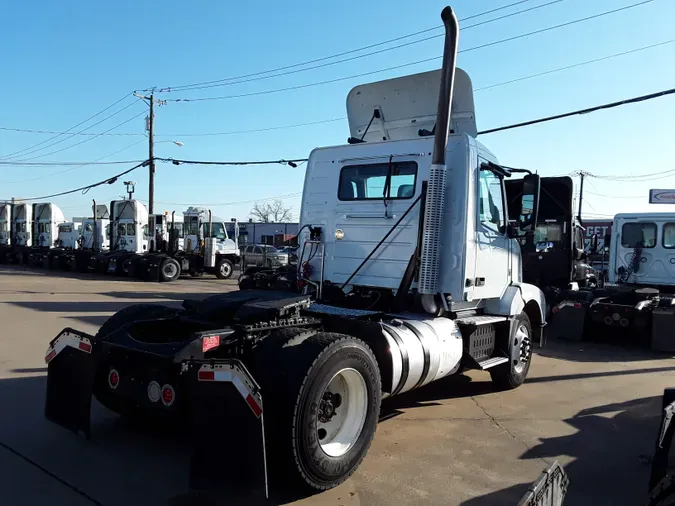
(396, 67)
(33, 131)
(69, 136)
(51, 164)
(84, 189)
(85, 140)
(71, 128)
(495, 85)
(337, 55)
(615, 196)
(610, 105)
(291, 162)
(640, 176)
(365, 55)
(76, 166)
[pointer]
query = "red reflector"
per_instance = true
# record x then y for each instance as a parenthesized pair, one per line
(167, 395)
(85, 347)
(113, 378)
(253, 404)
(577, 305)
(556, 309)
(210, 342)
(50, 356)
(206, 375)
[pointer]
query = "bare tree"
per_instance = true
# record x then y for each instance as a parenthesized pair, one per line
(271, 212)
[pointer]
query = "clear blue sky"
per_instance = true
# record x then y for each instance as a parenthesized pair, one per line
(65, 61)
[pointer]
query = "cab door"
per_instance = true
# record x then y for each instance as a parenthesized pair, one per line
(492, 268)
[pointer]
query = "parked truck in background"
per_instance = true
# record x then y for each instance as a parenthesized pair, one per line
(412, 273)
(637, 301)
(5, 231)
(45, 228)
(22, 240)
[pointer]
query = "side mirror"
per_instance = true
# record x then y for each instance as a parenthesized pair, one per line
(529, 204)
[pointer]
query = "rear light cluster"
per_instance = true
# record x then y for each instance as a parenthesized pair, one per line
(210, 342)
(166, 393)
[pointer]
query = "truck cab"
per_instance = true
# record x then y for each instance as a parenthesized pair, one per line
(129, 222)
(642, 250)
(21, 225)
(46, 219)
(356, 193)
(5, 224)
(67, 237)
(200, 224)
(161, 226)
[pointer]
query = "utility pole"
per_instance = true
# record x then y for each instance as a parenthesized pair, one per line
(150, 100)
(151, 155)
(582, 175)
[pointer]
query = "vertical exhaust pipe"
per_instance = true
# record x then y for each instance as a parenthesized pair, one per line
(432, 228)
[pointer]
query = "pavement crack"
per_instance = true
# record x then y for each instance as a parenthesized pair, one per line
(506, 430)
(51, 474)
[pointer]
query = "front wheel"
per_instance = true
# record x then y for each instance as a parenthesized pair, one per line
(512, 374)
(324, 413)
(224, 269)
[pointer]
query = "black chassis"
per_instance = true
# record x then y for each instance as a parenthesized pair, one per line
(188, 352)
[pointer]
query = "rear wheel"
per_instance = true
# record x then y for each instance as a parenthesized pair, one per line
(512, 374)
(323, 412)
(169, 270)
(224, 269)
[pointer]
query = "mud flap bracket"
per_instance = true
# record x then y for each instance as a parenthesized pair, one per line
(228, 431)
(71, 358)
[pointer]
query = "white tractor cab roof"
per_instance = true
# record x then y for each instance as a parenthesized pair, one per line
(129, 222)
(22, 216)
(345, 189)
(46, 219)
(642, 249)
(5, 224)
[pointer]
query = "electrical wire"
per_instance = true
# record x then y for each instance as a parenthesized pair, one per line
(51, 164)
(292, 162)
(365, 55)
(614, 196)
(336, 55)
(75, 166)
(89, 139)
(84, 189)
(71, 128)
(69, 136)
(32, 131)
(632, 178)
(610, 105)
(396, 67)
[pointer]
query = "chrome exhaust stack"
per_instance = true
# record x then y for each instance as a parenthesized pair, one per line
(435, 200)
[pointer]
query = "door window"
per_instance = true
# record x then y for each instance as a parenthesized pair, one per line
(491, 202)
(257, 250)
(638, 234)
(395, 180)
(669, 236)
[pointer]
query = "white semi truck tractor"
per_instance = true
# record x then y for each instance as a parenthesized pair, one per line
(411, 272)
(5, 231)
(45, 229)
(93, 242)
(22, 240)
(129, 235)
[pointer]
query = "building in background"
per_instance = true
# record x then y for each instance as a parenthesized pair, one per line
(276, 234)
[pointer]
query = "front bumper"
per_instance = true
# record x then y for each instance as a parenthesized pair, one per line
(219, 398)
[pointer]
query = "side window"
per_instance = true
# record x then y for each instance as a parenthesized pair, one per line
(257, 250)
(490, 201)
(146, 232)
(131, 229)
(669, 235)
(638, 234)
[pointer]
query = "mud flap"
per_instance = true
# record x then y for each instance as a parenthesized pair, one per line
(228, 440)
(568, 320)
(71, 358)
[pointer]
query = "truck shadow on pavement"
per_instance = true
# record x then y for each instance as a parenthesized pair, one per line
(611, 446)
(592, 351)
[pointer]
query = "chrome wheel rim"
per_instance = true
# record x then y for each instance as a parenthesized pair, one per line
(521, 350)
(225, 269)
(342, 412)
(170, 270)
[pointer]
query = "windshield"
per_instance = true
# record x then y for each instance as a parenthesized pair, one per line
(65, 229)
(218, 231)
(271, 249)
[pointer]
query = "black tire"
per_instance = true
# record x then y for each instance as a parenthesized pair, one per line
(169, 270)
(663, 494)
(195, 273)
(224, 269)
(292, 396)
(512, 374)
